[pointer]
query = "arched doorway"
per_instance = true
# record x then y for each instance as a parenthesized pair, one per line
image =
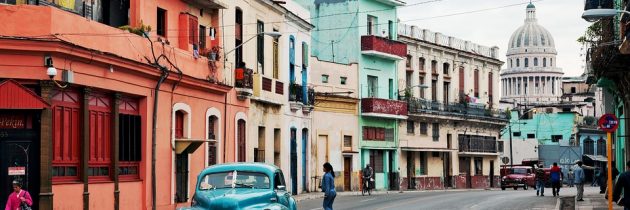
(294, 170)
(304, 146)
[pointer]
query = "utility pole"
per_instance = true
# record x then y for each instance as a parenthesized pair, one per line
(511, 153)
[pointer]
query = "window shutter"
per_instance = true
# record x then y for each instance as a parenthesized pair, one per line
(305, 54)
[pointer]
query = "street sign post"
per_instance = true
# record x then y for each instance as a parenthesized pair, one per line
(609, 123)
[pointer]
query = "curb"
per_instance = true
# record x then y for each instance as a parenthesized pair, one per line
(558, 203)
(317, 195)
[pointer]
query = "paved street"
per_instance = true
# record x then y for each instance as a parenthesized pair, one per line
(487, 199)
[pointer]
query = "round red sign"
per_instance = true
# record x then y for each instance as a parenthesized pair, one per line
(608, 123)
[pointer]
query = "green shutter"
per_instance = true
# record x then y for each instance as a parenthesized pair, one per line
(304, 54)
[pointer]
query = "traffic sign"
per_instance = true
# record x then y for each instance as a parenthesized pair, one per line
(608, 123)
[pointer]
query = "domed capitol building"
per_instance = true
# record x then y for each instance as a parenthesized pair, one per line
(531, 75)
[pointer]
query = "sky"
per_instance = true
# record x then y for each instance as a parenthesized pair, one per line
(562, 18)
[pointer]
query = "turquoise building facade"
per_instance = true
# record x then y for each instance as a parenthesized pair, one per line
(364, 32)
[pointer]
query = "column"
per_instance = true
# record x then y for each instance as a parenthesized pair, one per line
(45, 158)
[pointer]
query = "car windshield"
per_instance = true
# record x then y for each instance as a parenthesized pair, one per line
(519, 171)
(234, 179)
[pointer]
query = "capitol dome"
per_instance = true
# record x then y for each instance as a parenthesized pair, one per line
(531, 75)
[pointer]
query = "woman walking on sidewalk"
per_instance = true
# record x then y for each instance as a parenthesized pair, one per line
(328, 186)
(19, 198)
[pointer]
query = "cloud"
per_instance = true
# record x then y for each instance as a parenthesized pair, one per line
(494, 27)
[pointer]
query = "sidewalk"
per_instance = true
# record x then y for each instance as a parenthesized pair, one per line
(316, 195)
(594, 200)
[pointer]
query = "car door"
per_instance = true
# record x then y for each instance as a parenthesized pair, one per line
(280, 188)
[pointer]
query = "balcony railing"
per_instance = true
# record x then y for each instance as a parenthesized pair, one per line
(383, 47)
(417, 105)
(296, 94)
(480, 144)
(383, 106)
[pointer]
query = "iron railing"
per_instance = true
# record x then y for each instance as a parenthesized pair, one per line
(416, 105)
(296, 94)
(482, 144)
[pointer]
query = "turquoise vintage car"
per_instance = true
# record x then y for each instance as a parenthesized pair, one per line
(241, 186)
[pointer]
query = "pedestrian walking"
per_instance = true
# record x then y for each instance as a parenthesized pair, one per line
(570, 176)
(19, 199)
(579, 181)
(328, 186)
(540, 180)
(623, 183)
(556, 179)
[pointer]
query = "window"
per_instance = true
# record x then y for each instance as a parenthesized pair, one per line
(241, 139)
(305, 55)
(202, 37)
(510, 63)
(421, 64)
(410, 127)
(129, 142)
(436, 131)
(421, 82)
(391, 29)
(100, 136)
(391, 89)
(238, 37)
(544, 62)
(490, 88)
(461, 81)
(526, 62)
(161, 22)
(372, 86)
(423, 164)
(260, 47)
(212, 146)
(573, 90)
(408, 62)
(501, 146)
(343, 80)
(446, 91)
(408, 81)
(478, 166)
(423, 128)
(535, 61)
(276, 60)
(66, 131)
(434, 90)
(347, 141)
(372, 25)
(434, 67)
(445, 68)
(601, 147)
(376, 160)
(516, 134)
(192, 30)
(449, 141)
(531, 136)
(477, 83)
(589, 146)
(518, 62)
(556, 138)
(324, 78)
(179, 124)
(435, 154)
(550, 61)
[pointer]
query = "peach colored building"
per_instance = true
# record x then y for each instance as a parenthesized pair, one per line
(119, 104)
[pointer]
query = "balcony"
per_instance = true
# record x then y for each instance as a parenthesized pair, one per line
(299, 99)
(385, 108)
(383, 47)
(456, 110)
(208, 4)
(243, 81)
(477, 144)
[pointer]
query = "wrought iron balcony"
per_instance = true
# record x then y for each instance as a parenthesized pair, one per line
(299, 99)
(419, 106)
(477, 144)
(379, 107)
(383, 47)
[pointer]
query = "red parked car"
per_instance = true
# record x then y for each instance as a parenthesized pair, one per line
(518, 176)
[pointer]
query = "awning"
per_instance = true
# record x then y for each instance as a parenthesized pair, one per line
(599, 158)
(413, 149)
(15, 96)
(183, 146)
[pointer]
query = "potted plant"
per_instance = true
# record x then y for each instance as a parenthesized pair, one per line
(142, 30)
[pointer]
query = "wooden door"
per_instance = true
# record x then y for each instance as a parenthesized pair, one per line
(347, 173)
(241, 140)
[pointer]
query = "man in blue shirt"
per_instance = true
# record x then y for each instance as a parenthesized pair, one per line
(578, 173)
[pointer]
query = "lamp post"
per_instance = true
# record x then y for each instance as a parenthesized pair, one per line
(593, 15)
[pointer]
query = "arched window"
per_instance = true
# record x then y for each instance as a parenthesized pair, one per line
(213, 127)
(179, 124)
(535, 61)
(526, 62)
(544, 62)
(240, 135)
(518, 62)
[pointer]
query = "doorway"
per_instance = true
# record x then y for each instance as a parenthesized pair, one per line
(294, 170)
(411, 171)
(304, 165)
(347, 173)
(19, 154)
(464, 170)
(492, 173)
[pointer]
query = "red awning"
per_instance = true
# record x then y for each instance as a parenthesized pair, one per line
(15, 96)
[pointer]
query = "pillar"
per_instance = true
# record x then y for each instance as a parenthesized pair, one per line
(46, 150)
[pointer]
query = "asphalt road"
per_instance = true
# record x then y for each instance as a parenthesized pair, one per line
(440, 200)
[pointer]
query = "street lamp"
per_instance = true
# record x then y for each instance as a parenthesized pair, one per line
(273, 34)
(593, 15)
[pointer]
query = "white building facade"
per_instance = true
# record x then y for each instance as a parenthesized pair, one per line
(531, 75)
